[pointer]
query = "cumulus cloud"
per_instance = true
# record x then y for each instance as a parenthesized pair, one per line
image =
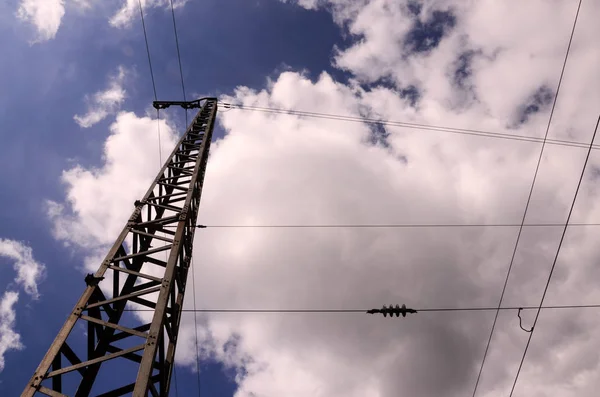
(491, 68)
(29, 274)
(95, 215)
(45, 15)
(130, 10)
(106, 102)
(82, 4)
(308, 4)
(29, 271)
(9, 339)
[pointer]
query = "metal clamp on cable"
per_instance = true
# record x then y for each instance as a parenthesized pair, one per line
(521, 321)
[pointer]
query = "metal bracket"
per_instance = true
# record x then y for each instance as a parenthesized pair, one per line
(184, 104)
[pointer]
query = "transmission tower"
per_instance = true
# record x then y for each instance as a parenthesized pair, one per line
(147, 266)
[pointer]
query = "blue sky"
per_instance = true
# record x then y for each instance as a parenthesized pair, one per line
(492, 67)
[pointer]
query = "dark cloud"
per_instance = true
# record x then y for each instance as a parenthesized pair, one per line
(425, 36)
(414, 7)
(463, 69)
(438, 360)
(411, 94)
(539, 101)
(378, 135)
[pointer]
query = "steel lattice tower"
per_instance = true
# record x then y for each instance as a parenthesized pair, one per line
(148, 265)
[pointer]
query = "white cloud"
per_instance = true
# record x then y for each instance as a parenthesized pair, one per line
(82, 4)
(279, 169)
(29, 271)
(95, 215)
(308, 4)
(45, 15)
(29, 274)
(9, 339)
(106, 102)
(130, 10)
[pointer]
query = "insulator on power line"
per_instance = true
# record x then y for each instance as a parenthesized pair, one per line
(391, 310)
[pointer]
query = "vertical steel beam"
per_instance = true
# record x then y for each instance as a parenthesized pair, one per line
(171, 201)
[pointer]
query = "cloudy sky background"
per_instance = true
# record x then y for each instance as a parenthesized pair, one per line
(77, 122)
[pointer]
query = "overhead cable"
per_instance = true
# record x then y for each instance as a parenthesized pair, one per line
(179, 59)
(152, 77)
(147, 49)
(537, 167)
(195, 326)
(424, 310)
(537, 315)
(388, 226)
(426, 127)
(186, 124)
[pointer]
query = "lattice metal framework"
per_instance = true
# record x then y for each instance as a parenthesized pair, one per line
(147, 266)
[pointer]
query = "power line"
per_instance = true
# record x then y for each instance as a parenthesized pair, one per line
(425, 310)
(462, 131)
(195, 326)
(153, 83)
(537, 167)
(186, 124)
(147, 49)
(178, 52)
(158, 133)
(390, 226)
(159, 139)
(556, 256)
(179, 59)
